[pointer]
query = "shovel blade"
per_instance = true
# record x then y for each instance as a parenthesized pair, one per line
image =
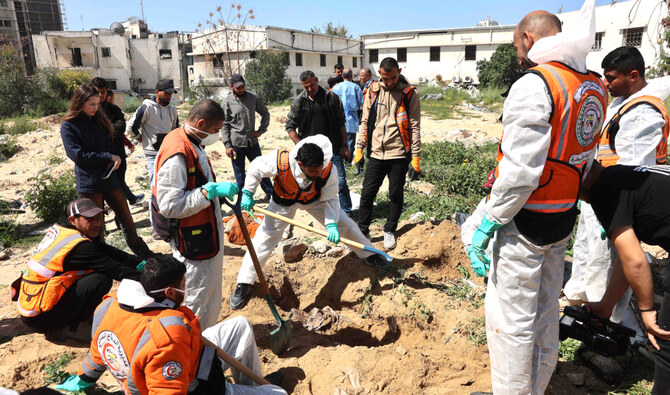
(280, 338)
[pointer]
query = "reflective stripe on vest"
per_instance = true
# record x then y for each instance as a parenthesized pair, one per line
(286, 190)
(607, 155)
(578, 113)
(43, 281)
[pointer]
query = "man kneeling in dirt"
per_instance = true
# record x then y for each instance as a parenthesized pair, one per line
(152, 344)
(302, 175)
(69, 273)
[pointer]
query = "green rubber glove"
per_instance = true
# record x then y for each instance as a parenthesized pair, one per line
(333, 233)
(479, 261)
(73, 384)
(220, 189)
(603, 233)
(140, 266)
(247, 200)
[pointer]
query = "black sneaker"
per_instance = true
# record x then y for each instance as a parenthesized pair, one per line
(377, 261)
(240, 296)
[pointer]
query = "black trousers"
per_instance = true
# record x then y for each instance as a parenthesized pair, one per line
(121, 174)
(77, 305)
(662, 370)
(377, 170)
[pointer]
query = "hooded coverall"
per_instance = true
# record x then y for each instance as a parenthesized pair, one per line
(325, 210)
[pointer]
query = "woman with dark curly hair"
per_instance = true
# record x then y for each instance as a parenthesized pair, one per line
(87, 134)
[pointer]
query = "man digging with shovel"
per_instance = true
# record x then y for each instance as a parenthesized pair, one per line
(152, 344)
(302, 175)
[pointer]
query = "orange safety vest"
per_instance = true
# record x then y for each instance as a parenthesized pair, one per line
(401, 116)
(158, 349)
(286, 191)
(607, 155)
(579, 101)
(44, 282)
(197, 236)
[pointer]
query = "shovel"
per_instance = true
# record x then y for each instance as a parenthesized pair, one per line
(323, 233)
(235, 363)
(280, 337)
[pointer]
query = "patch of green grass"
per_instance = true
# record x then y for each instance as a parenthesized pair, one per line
(567, 350)
(285, 102)
(54, 159)
(22, 125)
(53, 373)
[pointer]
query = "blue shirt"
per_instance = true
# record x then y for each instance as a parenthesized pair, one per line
(352, 99)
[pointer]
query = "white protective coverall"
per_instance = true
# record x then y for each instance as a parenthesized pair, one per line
(640, 131)
(234, 336)
(326, 210)
(204, 277)
(525, 279)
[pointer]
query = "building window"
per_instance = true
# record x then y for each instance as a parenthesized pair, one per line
(287, 58)
(374, 56)
(190, 70)
(111, 84)
(323, 60)
(106, 52)
(76, 57)
(165, 53)
(598, 44)
(3, 3)
(470, 52)
(298, 59)
(434, 54)
(217, 60)
(5, 23)
(401, 54)
(354, 62)
(633, 37)
(339, 60)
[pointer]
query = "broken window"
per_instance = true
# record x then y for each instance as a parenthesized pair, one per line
(165, 53)
(76, 57)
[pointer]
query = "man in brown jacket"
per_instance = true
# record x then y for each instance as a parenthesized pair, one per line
(391, 131)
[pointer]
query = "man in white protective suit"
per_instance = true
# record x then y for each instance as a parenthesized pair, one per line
(552, 119)
(305, 178)
(635, 133)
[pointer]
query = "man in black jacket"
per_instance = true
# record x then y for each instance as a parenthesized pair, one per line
(318, 111)
(115, 116)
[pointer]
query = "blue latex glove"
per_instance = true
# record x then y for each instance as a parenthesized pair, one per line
(479, 261)
(247, 200)
(480, 241)
(333, 233)
(73, 384)
(221, 189)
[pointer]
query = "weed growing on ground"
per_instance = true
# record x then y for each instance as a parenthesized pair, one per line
(22, 125)
(50, 195)
(475, 331)
(8, 148)
(567, 350)
(132, 105)
(54, 159)
(53, 373)
(367, 297)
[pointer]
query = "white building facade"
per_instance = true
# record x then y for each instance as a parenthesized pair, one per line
(452, 54)
(305, 51)
(126, 64)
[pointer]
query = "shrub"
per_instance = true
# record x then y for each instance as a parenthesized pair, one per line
(71, 79)
(266, 75)
(501, 70)
(8, 148)
(48, 106)
(50, 195)
(132, 104)
(22, 126)
(16, 91)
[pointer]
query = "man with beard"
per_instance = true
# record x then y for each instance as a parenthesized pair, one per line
(239, 133)
(551, 125)
(305, 178)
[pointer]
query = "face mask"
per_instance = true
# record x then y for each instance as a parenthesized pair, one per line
(209, 140)
(183, 291)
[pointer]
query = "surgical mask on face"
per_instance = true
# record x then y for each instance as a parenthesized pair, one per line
(183, 291)
(209, 140)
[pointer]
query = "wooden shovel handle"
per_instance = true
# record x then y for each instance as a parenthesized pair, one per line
(235, 363)
(252, 253)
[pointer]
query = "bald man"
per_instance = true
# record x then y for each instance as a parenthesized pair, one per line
(551, 123)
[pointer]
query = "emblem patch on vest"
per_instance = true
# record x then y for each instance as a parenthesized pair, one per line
(52, 234)
(112, 354)
(589, 121)
(171, 370)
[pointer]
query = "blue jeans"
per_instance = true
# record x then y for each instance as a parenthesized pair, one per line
(351, 143)
(238, 166)
(345, 198)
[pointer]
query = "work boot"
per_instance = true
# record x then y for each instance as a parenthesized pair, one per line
(389, 240)
(240, 296)
(377, 261)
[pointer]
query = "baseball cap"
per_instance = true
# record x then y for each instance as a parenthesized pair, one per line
(236, 80)
(166, 86)
(83, 207)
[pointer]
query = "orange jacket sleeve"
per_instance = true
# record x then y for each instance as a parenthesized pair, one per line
(168, 371)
